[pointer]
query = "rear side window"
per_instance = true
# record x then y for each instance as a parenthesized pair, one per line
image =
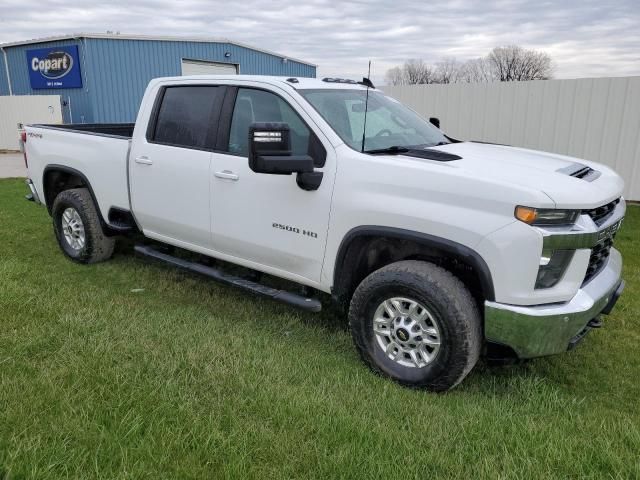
(188, 116)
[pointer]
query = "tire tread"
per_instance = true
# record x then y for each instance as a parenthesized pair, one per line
(99, 247)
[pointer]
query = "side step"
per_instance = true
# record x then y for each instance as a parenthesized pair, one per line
(309, 304)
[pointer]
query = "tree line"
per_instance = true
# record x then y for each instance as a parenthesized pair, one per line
(504, 64)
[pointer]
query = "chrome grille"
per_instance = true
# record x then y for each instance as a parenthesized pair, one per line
(601, 214)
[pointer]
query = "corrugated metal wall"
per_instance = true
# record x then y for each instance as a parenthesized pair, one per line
(121, 69)
(596, 119)
(79, 103)
(25, 109)
(4, 85)
(115, 72)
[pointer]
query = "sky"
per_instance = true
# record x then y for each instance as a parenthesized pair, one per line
(584, 38)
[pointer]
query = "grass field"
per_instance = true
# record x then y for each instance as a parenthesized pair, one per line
(190, 379)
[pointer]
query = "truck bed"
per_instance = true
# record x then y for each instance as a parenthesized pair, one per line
(97, 151)
(121, 130)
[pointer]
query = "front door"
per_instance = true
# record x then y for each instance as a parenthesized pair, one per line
(170, 167)
(268, 219)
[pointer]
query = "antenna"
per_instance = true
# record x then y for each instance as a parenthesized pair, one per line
(367, 82)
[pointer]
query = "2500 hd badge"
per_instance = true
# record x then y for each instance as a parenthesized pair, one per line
(289, 228)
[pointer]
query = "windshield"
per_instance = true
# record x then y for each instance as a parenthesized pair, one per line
(389, 123)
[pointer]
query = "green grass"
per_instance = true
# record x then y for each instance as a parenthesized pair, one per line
(190, 379)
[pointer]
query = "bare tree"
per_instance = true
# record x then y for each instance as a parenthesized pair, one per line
(535, 66)
(514, 64)
(477, 70)
(448, 71)
(395, 76)
(506, 64)
(417, 72)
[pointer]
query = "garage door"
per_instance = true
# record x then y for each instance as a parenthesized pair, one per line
(191, 67)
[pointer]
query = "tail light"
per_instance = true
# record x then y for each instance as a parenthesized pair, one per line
(23, 146)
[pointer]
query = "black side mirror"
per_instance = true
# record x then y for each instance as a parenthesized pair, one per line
(270, 151)
(435, 121)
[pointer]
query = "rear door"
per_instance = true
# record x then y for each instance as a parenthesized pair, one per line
(268, 219)
(170, 165)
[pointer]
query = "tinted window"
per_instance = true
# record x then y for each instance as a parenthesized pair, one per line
(260, 106)
(188, 116)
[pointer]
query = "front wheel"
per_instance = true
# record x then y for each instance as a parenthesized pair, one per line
(78, 229)
(416, 323)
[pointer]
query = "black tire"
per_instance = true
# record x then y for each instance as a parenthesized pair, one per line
(97, 246)
(449, 302)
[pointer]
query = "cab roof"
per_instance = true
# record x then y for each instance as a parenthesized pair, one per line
(298, 83)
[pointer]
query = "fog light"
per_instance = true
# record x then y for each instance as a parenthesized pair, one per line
(553, 264)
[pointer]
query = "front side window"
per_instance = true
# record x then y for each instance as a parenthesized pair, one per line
(188, 116)
(261, 106)
(389, 123)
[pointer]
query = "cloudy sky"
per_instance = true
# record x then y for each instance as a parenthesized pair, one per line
(585, 38)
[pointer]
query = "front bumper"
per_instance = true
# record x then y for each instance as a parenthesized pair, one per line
(535, 331)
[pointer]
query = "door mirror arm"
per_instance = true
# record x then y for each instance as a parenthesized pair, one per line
(309, 180)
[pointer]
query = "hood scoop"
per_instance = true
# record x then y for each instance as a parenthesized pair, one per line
(578, 170)
(430, 154)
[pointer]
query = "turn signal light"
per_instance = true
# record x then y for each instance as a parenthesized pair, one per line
(526, 214)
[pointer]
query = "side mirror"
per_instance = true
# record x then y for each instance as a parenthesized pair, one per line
(435, 121)
(270, 151)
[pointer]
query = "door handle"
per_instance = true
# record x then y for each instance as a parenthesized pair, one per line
(227, 175)
(144, 160)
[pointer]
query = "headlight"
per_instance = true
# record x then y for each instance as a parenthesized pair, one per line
(546, 216)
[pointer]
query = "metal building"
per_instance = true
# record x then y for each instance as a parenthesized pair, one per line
(102, 77)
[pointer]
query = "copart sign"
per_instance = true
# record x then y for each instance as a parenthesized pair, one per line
(54, 67)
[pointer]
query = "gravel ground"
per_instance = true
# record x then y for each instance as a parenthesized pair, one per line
(12, 165)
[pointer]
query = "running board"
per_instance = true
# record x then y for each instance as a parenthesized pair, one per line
(305, 303)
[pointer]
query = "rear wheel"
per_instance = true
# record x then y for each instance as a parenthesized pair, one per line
(77, 227)
(416, 323)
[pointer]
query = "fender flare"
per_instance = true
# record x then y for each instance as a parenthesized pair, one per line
(455, 249)
(83, 177)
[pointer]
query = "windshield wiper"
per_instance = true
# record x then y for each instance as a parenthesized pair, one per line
(395, 149)
(429, 145)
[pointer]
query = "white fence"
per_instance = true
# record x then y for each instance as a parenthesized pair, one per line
(25, 109)
(596, 119)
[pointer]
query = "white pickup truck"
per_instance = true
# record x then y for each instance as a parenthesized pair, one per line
(440, 250)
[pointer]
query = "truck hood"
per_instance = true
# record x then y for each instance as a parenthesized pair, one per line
(548, 172)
